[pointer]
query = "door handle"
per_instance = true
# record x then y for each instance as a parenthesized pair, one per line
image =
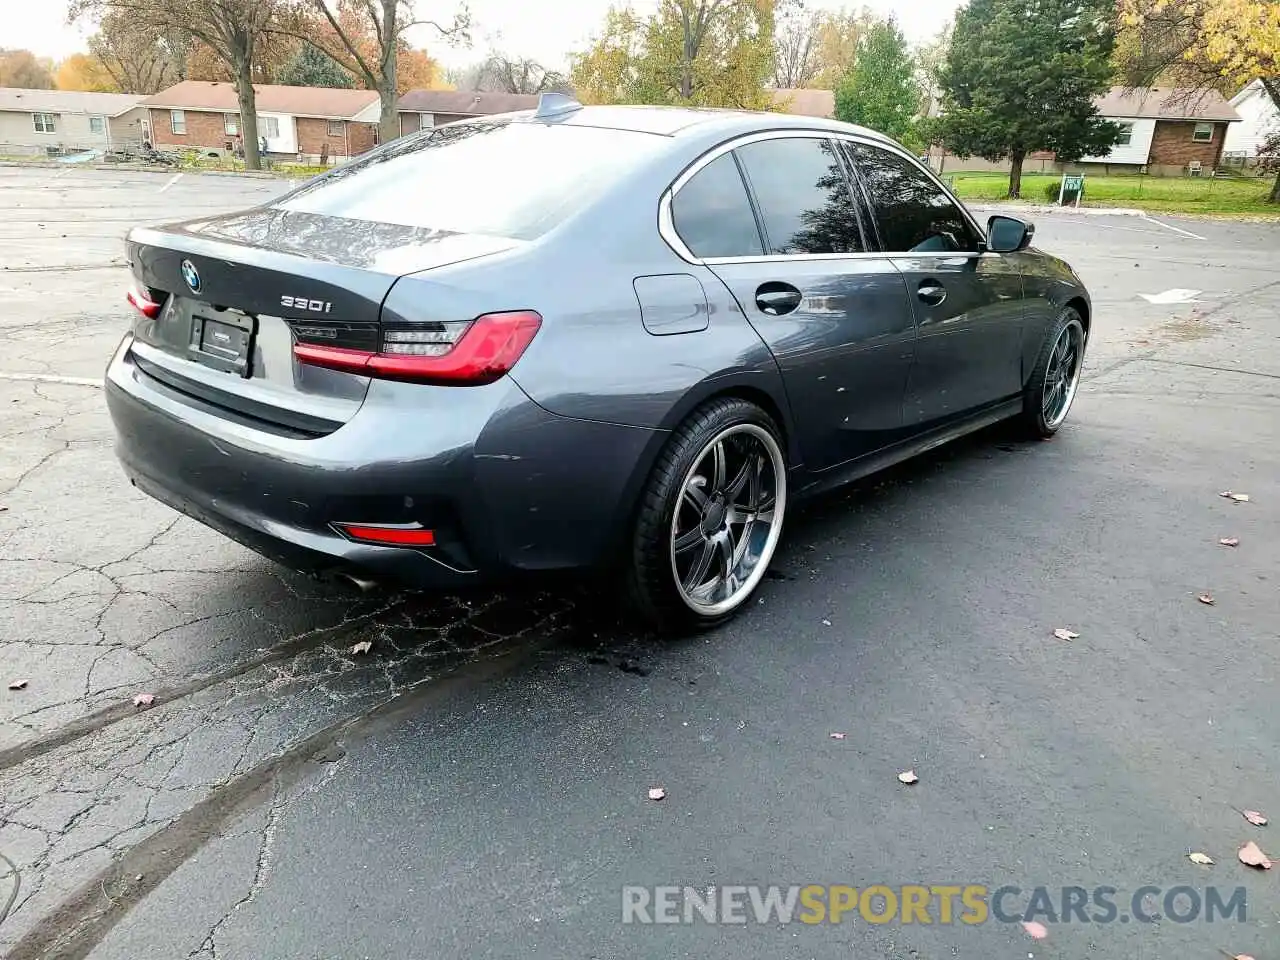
(931, 292)
(778, 299)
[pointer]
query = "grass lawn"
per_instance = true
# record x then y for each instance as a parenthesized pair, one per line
(1168, 194)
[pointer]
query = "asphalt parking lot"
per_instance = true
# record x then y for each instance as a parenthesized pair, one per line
(477, 783)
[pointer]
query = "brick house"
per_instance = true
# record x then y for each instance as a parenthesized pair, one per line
(1167, 131)
(298, 122)
(423, 109)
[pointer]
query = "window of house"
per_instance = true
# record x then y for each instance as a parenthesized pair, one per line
(1126, 134)
(231, 124)
(178, 121)
(335, 128)
(98, 125)
(712, 214)
(1203, 133)
(45, 122)
(914, 214)
(269, 127)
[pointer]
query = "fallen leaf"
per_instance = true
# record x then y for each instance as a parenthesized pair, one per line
(1230, 541)
(364, 646)
(1238, 497)
(17, 684)
(1063, 634)
(908, 776)
(837, 736)
(1252, 856)
(1206, 599)
(826, 623)
(1200, 858)
(657, 793)
(144, 699)
(1242, 956)
(1037, 931)
(1254, 817)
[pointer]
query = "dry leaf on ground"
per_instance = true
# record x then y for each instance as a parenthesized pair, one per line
(1063, 634)
(1230, 541)
(1037, 931)
(17, 684)
(364, 646)
(1237, 497)
(1254, 817)
(657, 793)
(144, 699)
(1251, 855)
(1206, 599)
(837, 736)
(1200, 858)
(908, 776)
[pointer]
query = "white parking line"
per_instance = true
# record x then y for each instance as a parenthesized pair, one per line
(1169, 226)
(176, 177)
(51, 378)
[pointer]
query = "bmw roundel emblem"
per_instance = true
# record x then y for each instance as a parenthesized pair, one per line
(191, 275)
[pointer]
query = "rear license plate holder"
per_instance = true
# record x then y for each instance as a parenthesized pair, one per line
(225, 343)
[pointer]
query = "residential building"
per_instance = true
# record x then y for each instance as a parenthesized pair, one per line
(422, 109)
(1166, 130)
(66, 121)
(1259, 117)
(804, 102)
(304, 123)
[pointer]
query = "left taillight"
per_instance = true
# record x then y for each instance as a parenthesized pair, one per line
(142, 300)
(470, 353)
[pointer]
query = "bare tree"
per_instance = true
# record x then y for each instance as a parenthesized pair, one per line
(797, 39)
(140, 61)
(502, 74)
(340, 28)
(230, 28)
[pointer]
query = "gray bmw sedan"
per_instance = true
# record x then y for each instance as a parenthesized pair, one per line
(624, 339)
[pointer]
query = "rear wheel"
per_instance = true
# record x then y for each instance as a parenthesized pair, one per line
(710, 516)
(1056, 376)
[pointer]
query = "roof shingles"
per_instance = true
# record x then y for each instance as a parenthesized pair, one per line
(329, 103)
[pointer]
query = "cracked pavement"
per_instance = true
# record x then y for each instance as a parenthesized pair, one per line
(474, 785)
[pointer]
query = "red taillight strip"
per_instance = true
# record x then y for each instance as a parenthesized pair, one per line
(409, 535)
(487, 350)
(141, 302)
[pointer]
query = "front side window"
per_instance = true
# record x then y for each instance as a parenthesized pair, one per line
(230, 124)
(712, 213)
(98, 125)
(803, 195)
(45, 122)
(178, 121)
(913, 213)
(1203, 133)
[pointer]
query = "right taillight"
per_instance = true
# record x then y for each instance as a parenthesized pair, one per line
(468, 353)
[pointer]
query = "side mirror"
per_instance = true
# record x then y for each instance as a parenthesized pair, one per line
(1008, 234)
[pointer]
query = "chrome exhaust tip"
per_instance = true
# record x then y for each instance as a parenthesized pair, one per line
(363, 584)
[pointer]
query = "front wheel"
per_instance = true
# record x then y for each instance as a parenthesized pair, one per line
(710, 516)
(1055, 378)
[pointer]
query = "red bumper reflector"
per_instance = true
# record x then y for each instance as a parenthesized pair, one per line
(389, 536)
(139, 300)
(487, 350)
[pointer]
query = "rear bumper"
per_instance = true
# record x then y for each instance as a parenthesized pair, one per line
(505, 485)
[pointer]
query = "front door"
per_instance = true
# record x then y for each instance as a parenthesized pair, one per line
(836, 318)
(968, 304)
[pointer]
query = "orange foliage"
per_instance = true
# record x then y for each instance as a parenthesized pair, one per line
(83, 71)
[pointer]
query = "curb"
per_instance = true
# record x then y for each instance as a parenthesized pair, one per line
(1041, 208)
(143, 168)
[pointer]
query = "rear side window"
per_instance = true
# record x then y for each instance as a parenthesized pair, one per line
(712, 213)
(804, 197)
(913, 214)
(495, 177)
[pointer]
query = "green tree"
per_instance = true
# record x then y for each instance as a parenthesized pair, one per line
(312, 67)
(880, 89)
(708, 53)
(1021, 76)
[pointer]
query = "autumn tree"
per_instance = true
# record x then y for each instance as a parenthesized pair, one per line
(795, 46)
(312, 67)
(839, 37)
(711, 53)
(1022, 75)
(139, 61)
(367, 37)
(83, 71)
(230, 28)
(20, 68)
(880, 90)
(1202, 44)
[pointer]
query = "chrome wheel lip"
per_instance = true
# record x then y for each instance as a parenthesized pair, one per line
(778, 464)
(1061, 384)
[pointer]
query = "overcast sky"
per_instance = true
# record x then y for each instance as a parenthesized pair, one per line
(544, 31)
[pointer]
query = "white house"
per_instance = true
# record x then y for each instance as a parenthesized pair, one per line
(59, 121)
(1166, 130)
(1259, 116)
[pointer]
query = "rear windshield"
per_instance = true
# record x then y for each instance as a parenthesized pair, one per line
(502, 178)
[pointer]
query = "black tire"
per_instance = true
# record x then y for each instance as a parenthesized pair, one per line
(743, 429)
(1037, 419)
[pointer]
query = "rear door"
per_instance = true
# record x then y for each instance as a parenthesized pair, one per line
(968, 304)
(776, 219)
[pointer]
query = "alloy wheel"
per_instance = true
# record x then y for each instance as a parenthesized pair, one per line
(1062, 376)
